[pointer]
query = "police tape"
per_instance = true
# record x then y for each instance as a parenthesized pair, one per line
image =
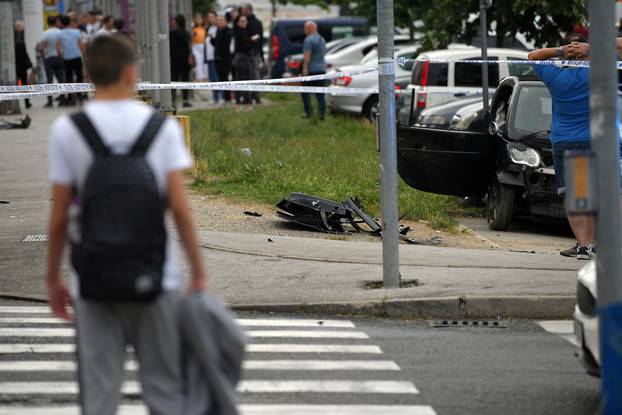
(11, 96)
(572, 63)
(145, 86)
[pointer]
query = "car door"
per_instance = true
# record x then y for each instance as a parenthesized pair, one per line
(447, 162)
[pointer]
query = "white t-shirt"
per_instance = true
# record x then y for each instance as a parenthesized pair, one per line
(209, 51)
(102, 32)
(119, 124)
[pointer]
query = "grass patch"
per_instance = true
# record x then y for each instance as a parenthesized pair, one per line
(266, 154)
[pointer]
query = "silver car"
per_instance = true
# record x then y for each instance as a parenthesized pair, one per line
(366, 105)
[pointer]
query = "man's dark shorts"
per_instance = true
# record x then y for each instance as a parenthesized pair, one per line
(558, 160)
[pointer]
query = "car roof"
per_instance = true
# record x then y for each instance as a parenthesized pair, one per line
(345, 19)
(471, 51)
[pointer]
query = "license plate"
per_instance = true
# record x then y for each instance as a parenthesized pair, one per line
(578, 332)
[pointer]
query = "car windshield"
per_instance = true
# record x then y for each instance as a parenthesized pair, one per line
(534, 110)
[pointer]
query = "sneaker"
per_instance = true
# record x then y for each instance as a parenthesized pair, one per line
(48, 105)
(585, 253)
(570, 252)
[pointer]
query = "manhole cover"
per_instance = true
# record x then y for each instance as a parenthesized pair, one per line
(35, 237)
(498, 324)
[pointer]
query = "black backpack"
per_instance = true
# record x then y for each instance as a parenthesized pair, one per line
(121, 251)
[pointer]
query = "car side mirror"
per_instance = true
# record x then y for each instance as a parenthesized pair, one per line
(493, 128)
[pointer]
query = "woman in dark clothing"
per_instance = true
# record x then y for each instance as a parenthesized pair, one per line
(22, 60)
(222, 53)
(243, 59)
(180, 55)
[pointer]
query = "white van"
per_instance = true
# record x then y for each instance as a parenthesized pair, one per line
(437, 83)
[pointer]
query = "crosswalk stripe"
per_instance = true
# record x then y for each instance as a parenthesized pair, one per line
(131, 365)
(562, 328)
(246, 410)
(251, 348)
(69, 332)
(243, 322)
(326, 386)
(245, 386)
(25, 309)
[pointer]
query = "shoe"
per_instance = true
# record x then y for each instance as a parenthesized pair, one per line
(570, 252)
(28, 104)
(48, 105)
(585, 253)
(186, 105)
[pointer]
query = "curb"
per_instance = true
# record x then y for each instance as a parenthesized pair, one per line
(517, 307)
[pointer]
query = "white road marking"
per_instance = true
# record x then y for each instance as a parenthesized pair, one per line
(242, 322)
(31, 332)
(56, 388)
(312, 348)
(325, 386)
(251, 348)
(24, 309)
(131, 365)
(245, 410)
(561, 328)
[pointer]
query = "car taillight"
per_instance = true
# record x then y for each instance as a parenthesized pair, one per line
(422, 98)
(294, 64)
(424, 73)
(397, 90)
(344, 81)
(276, 48)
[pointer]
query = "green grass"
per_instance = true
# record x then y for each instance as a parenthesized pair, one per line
(335, 159)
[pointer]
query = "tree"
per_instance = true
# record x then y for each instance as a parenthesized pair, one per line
(203, 6)
(542, 22)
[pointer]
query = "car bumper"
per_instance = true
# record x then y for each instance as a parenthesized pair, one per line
(587, 334)
(351, 104)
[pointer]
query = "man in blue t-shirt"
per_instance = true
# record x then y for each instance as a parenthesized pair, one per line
(570, 130)
(70, 48)
(314, 49)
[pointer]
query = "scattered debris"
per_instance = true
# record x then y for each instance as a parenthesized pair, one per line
(254, 213)
(11, 125)
(246, 151)
(270, 240)
(324, 215)
(376, 285)
(4, 202)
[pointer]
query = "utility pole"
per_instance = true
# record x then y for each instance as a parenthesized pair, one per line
(605, 142)
(154, 51)
(166, 103)
(483, 30)
(388, 146)
(7, 55)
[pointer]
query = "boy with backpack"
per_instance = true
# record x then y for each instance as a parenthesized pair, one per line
(116, 167)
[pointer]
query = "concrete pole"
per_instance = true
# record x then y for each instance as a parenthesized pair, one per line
(166, 102)
(154, 50)
(7, 55)
(32, 11)
(605, 144)
(483, 5)
(388, 147)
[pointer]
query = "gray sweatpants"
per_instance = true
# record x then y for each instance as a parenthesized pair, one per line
(104, 330)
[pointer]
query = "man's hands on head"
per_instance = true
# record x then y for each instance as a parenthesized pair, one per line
(577, 50)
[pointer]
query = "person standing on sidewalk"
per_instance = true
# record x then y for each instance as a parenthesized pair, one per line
(51, 60)
(180, 56)
(222, 53)
(22, 60)
(570, 129)
(243, 61)
(125, 276)
(70, 48)
(198, 48)
(314, 49)
(255, 29)
(210, 57)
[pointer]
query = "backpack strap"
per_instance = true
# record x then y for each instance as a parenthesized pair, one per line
(148, 135)
(90, 134)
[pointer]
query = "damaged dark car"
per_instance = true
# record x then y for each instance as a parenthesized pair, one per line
(510, 163)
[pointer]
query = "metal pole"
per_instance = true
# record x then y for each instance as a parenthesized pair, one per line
(166, 103)
(154, 51)
(605, 144)
(7, 55)
(483, 5)
(388, 147)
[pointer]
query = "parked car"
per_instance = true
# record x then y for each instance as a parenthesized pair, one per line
(293, 63)
(353, 54)
(287, 36)
(435, 83)
(511, 163)
(439, 116)
(586, 324)
(367, 105)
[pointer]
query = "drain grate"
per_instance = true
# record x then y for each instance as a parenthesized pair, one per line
(498, 324)
(35, 237)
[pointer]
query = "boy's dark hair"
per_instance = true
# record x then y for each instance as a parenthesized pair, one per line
(107, 19)
(107, 57)
(52, 20)
(65, 20)
(180, 21)
(575, 37)
(119, 24)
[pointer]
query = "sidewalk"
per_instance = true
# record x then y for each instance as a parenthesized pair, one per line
(292, 274)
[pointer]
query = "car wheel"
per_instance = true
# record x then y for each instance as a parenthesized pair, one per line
(370, 108)
(499, 206)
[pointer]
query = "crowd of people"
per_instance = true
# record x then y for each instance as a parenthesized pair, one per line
(219, 48)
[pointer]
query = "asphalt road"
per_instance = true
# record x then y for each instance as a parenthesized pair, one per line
(388, 367)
